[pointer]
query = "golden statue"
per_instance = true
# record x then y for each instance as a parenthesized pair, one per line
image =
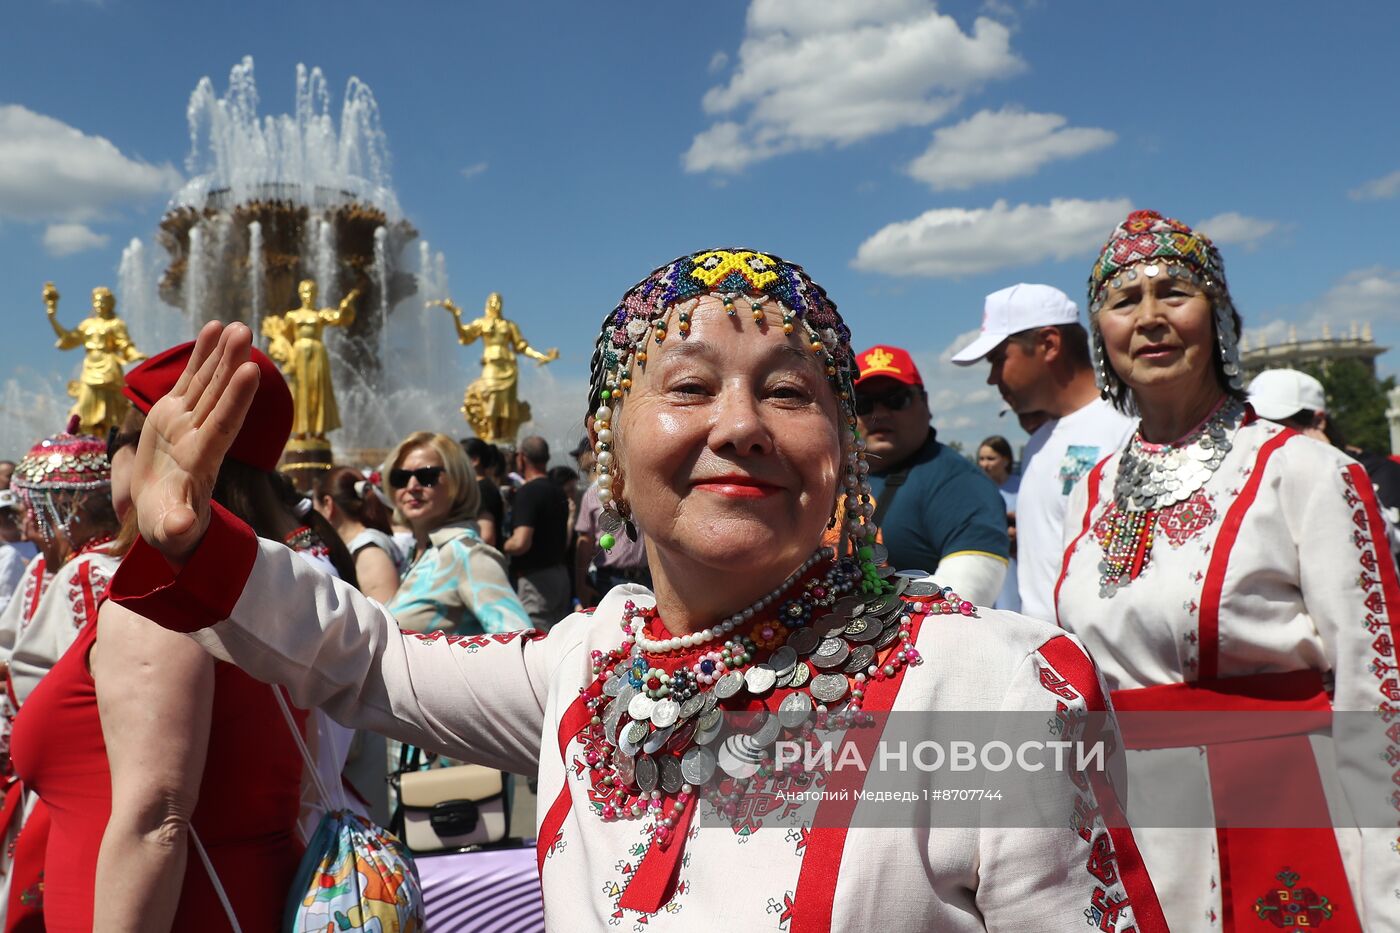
(294, 342)
(99, 403)
(491, 405)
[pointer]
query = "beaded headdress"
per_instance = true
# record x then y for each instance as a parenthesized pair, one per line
(1152, 244)
(55, 469)
(747, 282)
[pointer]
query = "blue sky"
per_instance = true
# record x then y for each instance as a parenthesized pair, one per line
(556, 152)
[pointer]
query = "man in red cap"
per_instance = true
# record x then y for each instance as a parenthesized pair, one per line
(937, 511)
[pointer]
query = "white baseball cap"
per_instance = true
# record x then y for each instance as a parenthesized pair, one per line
(1013, 310)
(1277, 394)
(8, 499)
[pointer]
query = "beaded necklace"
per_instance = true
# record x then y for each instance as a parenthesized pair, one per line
(658, 732)
(1153, 481)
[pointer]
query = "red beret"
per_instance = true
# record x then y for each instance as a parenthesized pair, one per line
(269, 422)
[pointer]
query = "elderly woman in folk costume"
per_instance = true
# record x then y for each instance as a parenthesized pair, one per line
(723, 420)
(1220, 563)
(65, 485)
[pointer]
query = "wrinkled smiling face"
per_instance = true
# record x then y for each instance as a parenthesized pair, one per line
(729, 444)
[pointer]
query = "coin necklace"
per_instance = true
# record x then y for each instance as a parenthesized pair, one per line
(1154, 480)
(657, 731)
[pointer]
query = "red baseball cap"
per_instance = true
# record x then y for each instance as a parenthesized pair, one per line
(269, 423)
(885, 362)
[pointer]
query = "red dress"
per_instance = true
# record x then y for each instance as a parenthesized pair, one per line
(246, 815)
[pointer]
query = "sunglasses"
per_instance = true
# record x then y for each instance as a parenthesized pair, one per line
(896, 400)
(426, 476)
(116, 440)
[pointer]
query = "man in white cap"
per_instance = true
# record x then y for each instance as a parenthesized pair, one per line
(1039, 356)
(1298, 401)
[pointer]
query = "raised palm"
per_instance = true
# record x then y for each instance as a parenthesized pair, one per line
(186, 436)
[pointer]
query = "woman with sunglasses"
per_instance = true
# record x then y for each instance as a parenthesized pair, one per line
(725, 429)
(454, 582)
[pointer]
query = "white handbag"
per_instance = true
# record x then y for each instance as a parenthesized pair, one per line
(457, 807)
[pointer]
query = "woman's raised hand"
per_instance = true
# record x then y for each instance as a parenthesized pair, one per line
(186, 436)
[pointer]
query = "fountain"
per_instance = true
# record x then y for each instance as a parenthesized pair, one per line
(274, 199)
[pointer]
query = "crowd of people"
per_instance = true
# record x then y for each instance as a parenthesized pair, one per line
(759, 518)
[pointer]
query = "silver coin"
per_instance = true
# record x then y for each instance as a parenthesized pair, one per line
(641, 706)
(857, 625)
(800, 675)
(671, 777)
(611, 719)
(734, 761)
(885, 572)
(923, 588)
(728, 685)
(681, 736)
(850, 606)
(794, 710)
(657, 739)
(665, 713)
(705, 736)
(831, 653)
(784, 680)
(827, 626)
(647, 774)
(860, 659)
(697, 765)
(627, 748)
(760, 678)
(709, 720)
(692, 706)
(767, 733)
(829, 688)
(624, 697)
(710, 701)
(803, 641)
(879, 555)
(750, 723)
(890, 636)
(872, 631)
(626, 769)
(783, 660)
(637, 732)
(882, 605)
(613, 685)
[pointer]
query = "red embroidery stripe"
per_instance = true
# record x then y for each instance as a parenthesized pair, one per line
(574, 719)
(1095, 477)
(815, 898)
(1208, 624)
(1390, 581)
(1074, 666)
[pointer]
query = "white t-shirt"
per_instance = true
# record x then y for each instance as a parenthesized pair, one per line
(13, 559)
(1058, 455)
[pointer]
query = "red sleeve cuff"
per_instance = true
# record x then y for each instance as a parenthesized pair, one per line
(202, 592)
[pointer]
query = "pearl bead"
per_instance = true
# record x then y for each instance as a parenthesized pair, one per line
(604, 413)
(605, 481)
(605, 459)
(604, 496)
(605, 436)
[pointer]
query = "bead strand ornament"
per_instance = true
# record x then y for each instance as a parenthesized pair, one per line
(653, 752)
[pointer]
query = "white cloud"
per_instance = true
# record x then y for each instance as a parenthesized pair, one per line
(1377, 189)
(51, 171)
(718, 61)
(816, 74)
(1370, 294)
(1231, 227)
(952, 242)
(66, 239)
(994, 145)
(475, 169)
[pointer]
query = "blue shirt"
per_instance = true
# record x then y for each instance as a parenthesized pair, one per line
(946, 506)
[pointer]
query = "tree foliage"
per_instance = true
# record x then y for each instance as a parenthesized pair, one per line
(1356, 402)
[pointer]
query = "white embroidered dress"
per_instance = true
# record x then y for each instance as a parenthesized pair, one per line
(501, 699)
(1275, 573)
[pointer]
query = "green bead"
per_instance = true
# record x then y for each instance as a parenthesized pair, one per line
(605, 394)
(866, 552)
(606, 541)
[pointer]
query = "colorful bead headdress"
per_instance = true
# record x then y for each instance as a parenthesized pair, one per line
(48, 478)
(748, 282)
(1152, 244)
